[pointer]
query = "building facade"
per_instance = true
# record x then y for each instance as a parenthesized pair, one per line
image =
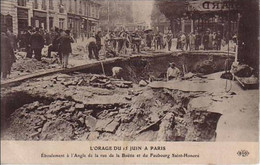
(115, 14)
(80, 16)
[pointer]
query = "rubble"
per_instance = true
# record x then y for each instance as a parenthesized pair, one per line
(80, 106)
(143, 83)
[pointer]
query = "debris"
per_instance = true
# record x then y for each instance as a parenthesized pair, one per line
(143, 83)
(90, 122)
(129, 98)
(111, 127)
(79, 106)
(101, 124)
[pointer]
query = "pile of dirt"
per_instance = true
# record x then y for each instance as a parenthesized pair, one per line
(27, 65)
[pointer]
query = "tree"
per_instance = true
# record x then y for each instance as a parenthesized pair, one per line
(174, 10)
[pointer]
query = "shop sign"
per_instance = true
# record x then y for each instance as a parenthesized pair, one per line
(213, 5)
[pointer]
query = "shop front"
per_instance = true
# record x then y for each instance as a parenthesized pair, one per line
(23, 19)
(75, 24)
(39, 19)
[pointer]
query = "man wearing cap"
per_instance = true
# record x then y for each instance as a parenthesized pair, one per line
(173, 72)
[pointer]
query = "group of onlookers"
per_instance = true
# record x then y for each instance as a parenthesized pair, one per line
(113, 42)
(208, 40)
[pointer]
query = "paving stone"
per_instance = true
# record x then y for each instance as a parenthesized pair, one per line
(90, 122)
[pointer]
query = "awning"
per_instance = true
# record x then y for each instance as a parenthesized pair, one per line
(212, 5)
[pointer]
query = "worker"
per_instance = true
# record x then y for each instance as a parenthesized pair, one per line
(173, 72)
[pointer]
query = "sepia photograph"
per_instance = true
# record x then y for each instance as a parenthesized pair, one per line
(130, 70)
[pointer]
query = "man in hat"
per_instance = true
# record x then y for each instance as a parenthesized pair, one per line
(169, 38)
(54, 46)
(65, 48)
(27, 37)
(172, 72)
(37, 43)
(92, 47)
(7, 54)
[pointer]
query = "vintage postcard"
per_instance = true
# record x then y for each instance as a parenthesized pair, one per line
(129, 81)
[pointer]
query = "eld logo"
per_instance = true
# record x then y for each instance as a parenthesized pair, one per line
(243, 153)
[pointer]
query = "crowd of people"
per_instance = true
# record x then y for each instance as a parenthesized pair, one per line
(114, 43)
(207, 40)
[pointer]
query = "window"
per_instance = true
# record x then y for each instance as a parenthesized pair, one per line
(76, 6)
(80, 7)
(35, 4)
(85, 9)
(70, 6)
(21, 2)
(51, 5)
(97, 12)
(44, 7)
(61, 23)
(92, 11)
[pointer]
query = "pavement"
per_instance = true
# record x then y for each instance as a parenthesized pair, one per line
(239, 108)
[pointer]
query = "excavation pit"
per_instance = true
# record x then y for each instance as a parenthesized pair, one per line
(87, 105)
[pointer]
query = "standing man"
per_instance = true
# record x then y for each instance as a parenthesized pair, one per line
(197, 40)
(27, 37)
(65, 48)
(206, 40)
(7, 54)
(149, 39)
(37, 43)
(12, 39)
(169, 38)
(54, 39)
(92, 48)
(218, 40)
(183, 41)
(211, 37)
(192, 41)
(98, 41)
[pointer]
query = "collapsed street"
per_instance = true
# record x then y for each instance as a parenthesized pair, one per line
(140, 106)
